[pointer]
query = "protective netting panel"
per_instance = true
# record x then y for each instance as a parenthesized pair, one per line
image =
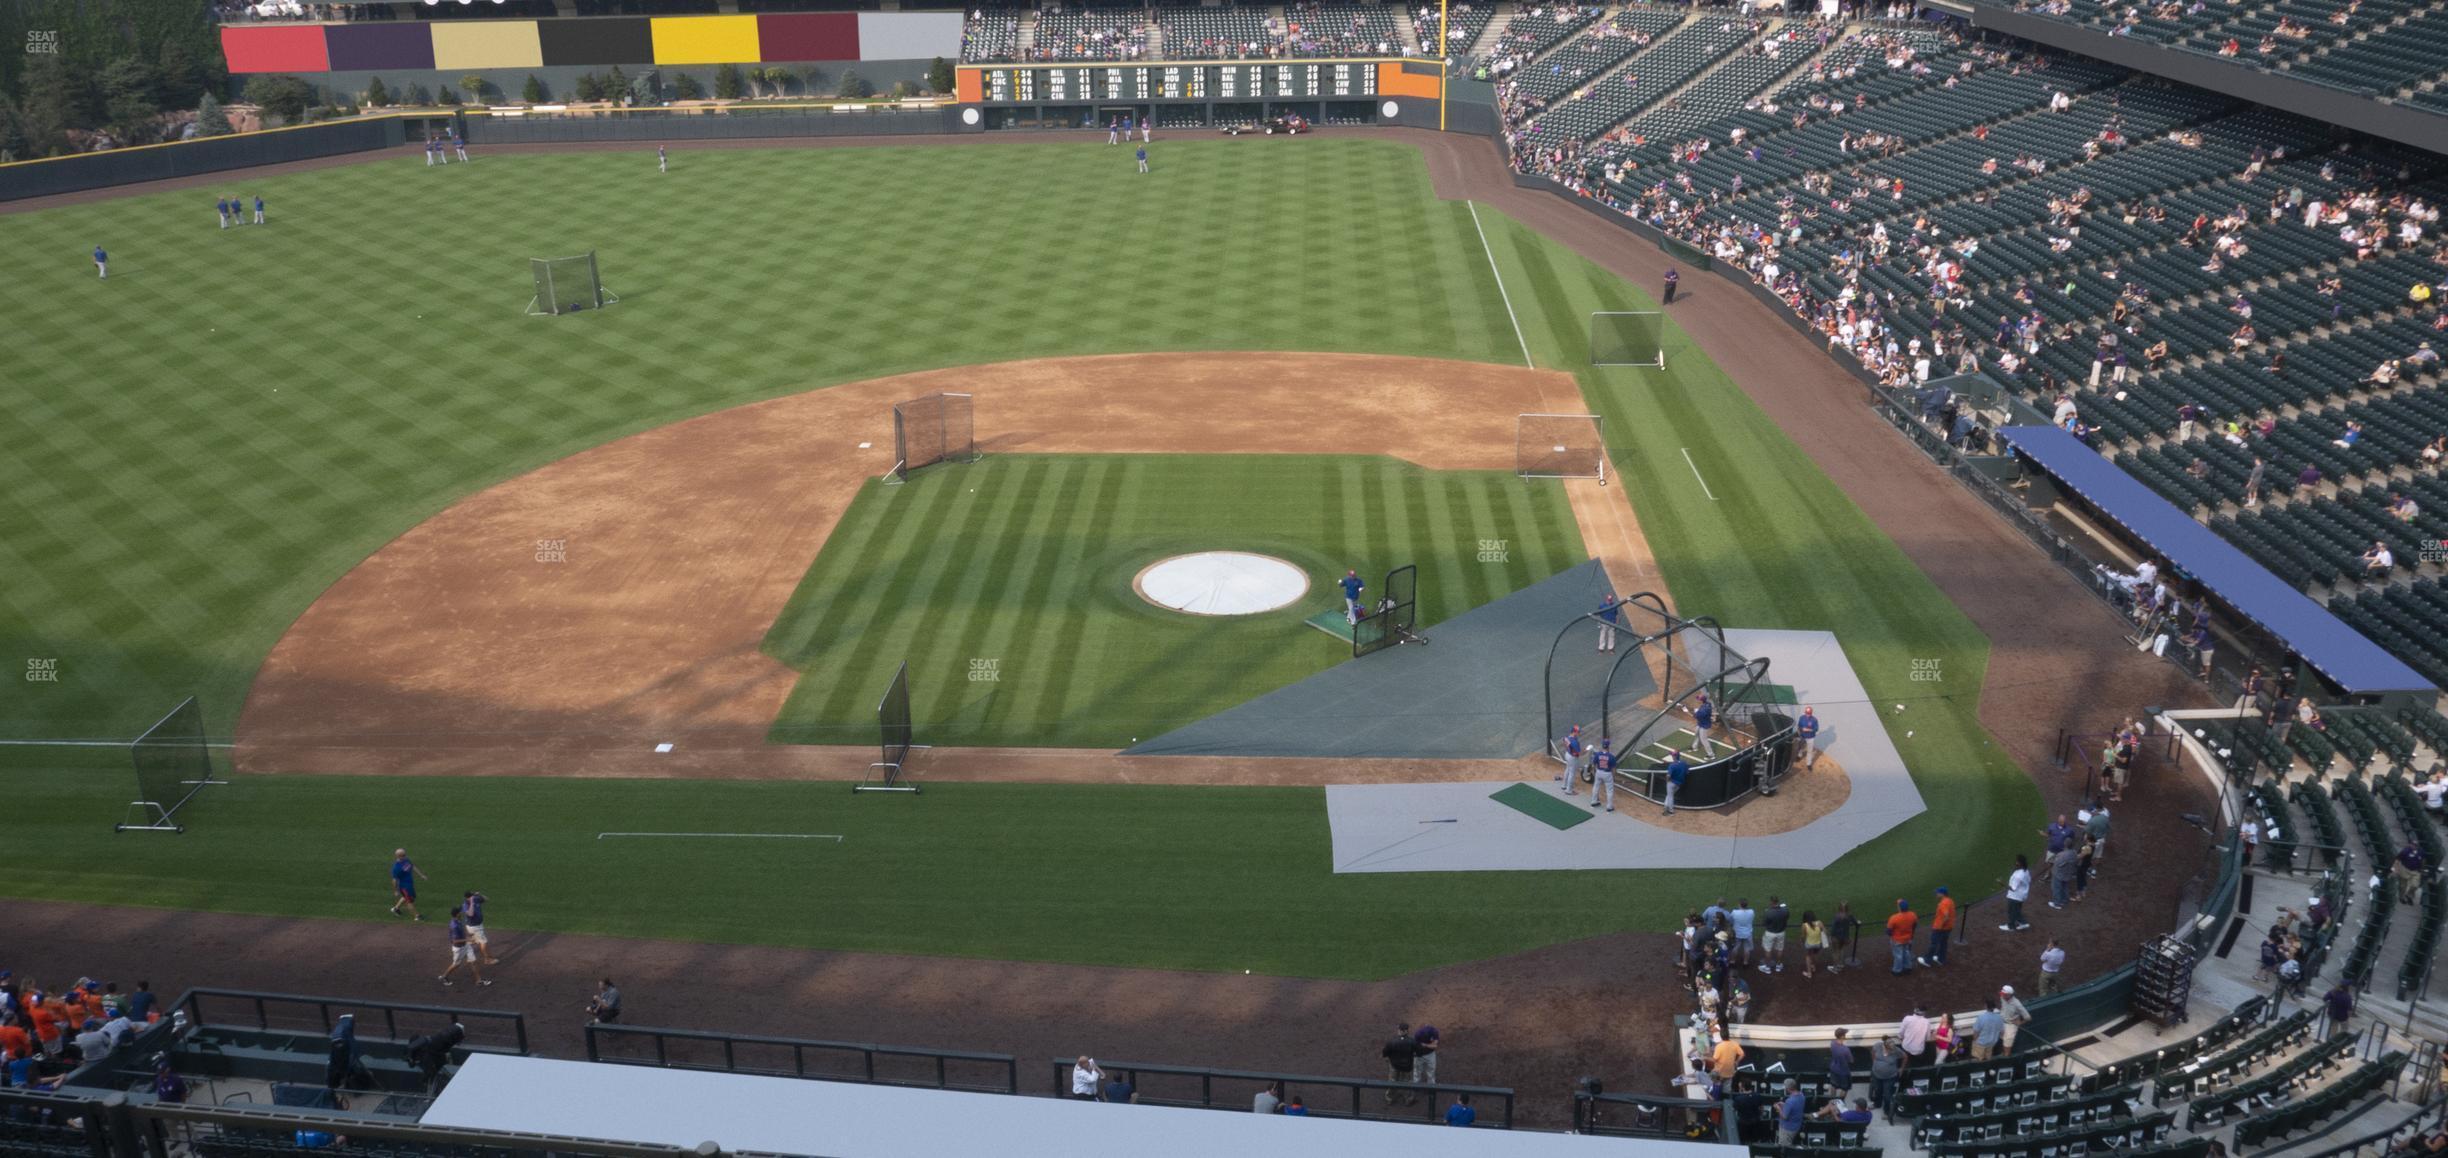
(1559, 446)
(933, 429)
(564, 284)
(1626, 339)
(171, 758)
(1393, 617)
(893, 718)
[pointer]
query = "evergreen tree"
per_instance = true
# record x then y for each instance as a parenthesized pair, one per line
(939, 75)
(376, 96)
(211, 121)
(685, 87)
(127, 99)
(281, 96)
(727, 83)
(854, 86)
(534, 92)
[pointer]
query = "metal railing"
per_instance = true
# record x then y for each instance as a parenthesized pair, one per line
(1493, 1103)
(830, 1061)
(489, 1031)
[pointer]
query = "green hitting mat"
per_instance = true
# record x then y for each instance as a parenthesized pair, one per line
(1553, 811)
(1331, 622)
(1766, 694)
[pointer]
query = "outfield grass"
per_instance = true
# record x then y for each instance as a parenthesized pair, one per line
(204, 442)
(172, 514)
(1026, 562)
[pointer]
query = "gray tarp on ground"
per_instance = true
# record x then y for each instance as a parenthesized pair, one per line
(1475, 692)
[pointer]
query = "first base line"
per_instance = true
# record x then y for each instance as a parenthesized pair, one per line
(741, 835)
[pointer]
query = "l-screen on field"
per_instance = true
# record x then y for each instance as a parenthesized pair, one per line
(425, 560)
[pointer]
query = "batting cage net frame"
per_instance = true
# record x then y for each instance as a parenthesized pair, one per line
(566, 285)
(1639, 697)
(1628, 338)
(1394, 619)
(173, 762)
(1560, 446)
(937, 428)
(897, 731)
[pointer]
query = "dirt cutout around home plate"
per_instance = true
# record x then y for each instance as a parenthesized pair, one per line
(568, 621)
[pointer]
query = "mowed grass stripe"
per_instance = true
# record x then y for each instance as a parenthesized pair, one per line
(1045, 587)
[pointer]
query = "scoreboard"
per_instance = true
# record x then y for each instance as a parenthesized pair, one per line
(1168, 80)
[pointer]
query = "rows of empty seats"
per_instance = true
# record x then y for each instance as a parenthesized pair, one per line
(1462, 23)
(1585, 57)
(1724, 90)
(1535, 30)
(991, 34)
(1090, 34)
(1340, 29)
(2388, 59)
(1215, 33)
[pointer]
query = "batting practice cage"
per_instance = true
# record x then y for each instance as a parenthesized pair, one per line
(933, 429)
(173, 762)
(1641, 694)
(568, 284)
(1392, 620)
(1559, 446)
(1632, 338)
(893, 720)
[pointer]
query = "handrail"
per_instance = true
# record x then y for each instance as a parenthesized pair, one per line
(327, 1009)
(2437, 1112)
(1501, 1095)
(599, 1034)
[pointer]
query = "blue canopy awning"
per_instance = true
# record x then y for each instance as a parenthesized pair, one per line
(2338, 652)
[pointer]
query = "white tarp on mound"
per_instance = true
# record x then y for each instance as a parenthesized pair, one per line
(844, 1120)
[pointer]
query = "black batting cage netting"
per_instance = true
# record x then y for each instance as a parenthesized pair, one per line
(933, 429)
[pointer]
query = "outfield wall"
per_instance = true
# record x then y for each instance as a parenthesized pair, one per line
(344, 86)
(776, 123)
(635, 43)
(82, 171)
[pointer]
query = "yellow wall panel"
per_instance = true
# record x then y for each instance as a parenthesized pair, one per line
(482, 44)
(705, 39)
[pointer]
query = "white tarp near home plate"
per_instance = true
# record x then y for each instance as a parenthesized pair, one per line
(846, 1120)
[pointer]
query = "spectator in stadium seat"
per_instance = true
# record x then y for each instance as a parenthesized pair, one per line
(1269, 1100)
(1460, 1113)
(1121, 1090)
(1296, 1108)
(2378, 560)
(2402, 508)
(1085, 1078)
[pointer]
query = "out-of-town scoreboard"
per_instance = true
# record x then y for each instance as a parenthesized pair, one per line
(1170, 80)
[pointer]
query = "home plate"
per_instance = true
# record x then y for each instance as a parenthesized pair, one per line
(660, 748)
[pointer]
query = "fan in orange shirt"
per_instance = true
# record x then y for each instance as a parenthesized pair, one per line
(1900, 928)
(1942, 927)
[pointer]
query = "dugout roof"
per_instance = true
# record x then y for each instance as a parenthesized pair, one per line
(849, 1120)
(2355, 664)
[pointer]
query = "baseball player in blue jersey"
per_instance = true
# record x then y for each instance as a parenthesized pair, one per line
(1143, 159)
(221, 208)
(662, 160)
(1573, 750)
(1602, 773)
(259, 209)
(1607, 613)
(1807, 729)
(101, 262)
(1677, 771)
(459, 143)
(1113, 131)
(1351, 595)
(1704, 721)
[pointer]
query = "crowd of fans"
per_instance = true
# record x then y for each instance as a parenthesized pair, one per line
(47, 1033)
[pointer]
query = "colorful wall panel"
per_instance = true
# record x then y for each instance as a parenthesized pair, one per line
(592, 42)
(367, 47)
(609, 40)
(909, 35)
(476, 45)
(795, 36)
(275, 48)
(706, 39)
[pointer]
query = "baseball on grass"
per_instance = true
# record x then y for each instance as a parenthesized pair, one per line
(1908, 735)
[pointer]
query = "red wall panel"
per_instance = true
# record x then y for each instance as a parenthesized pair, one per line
(281, 48)
(788, 36)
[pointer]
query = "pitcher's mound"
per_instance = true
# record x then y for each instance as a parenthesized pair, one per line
(1221, 583)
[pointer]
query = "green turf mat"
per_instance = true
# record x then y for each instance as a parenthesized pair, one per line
(1540, 806)
(1332, 622)
(1765, 694)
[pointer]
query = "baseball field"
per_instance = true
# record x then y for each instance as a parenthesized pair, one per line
(244, 437)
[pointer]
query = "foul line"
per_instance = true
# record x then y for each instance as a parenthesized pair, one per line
(754, 835)
(1500, 286)
(1687, 461)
